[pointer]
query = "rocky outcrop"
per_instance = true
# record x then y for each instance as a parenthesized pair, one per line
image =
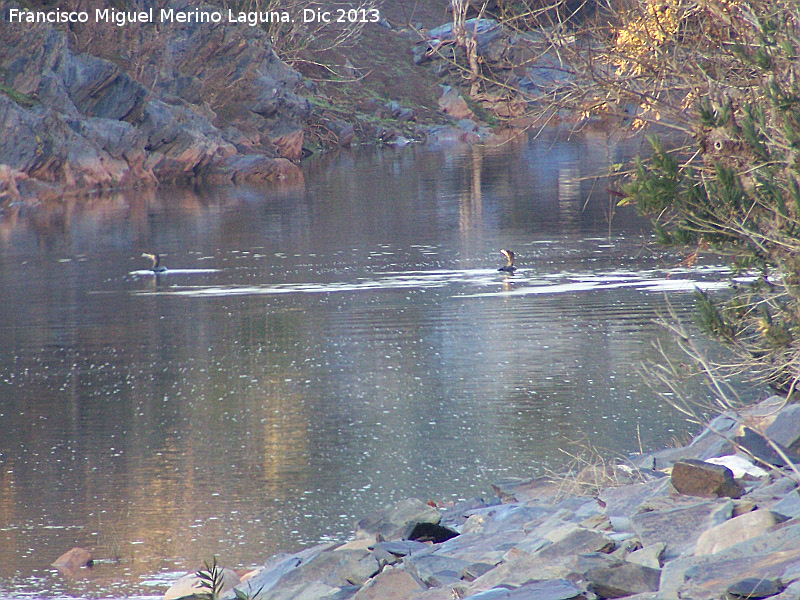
(100, 106)
(542, 539)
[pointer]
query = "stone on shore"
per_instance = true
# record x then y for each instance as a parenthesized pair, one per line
(754, 588)
(757, 445)
(626, 579)
(733, 531)
(451, 103)
(434, 570)
(741, 468)
(698, 478)
(773, 554)
(789, 506)
(785, 429)
(390, 584)
(649, 556)
(680, 527)
(395, 520)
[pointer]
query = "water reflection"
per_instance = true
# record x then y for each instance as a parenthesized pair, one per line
(313, 352)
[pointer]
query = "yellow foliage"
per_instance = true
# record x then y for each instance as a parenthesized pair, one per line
(645, 32)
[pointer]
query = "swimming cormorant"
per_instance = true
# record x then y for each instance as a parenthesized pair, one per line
(157, 267)
(509, 267)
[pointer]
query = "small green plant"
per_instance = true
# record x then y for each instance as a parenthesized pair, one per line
(211, 579)
(249, 595)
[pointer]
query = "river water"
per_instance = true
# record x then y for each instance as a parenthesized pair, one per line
(315, 351)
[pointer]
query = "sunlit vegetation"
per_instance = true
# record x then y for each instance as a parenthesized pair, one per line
(721, 74)
(738, 193)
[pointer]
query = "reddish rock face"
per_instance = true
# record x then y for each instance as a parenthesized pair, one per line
(697, 478)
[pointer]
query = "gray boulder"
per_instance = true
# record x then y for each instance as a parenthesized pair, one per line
(393, 521)
(626, 579)
(680, 527)
(785, 429)
(754, 588)
(734, 531)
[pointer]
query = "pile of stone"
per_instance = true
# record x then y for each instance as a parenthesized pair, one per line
(718, 518)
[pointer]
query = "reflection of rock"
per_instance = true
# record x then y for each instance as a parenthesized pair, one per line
(74, 559)
(8, 182)
(176, 105)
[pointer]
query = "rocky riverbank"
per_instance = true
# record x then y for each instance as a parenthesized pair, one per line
(91, 107)
(718, 518)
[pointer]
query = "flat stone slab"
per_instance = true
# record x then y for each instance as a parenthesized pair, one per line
(785, 429)
(390, 584)
(509, 517)
(268, 577)
(623, 580)
(755, 443)
(624, 501)
(735, 531)
(553, 589)
(754, 588)
(577, 541)
(435, 570)
(649, 556)
(739, 466)
(402, 547)
(455, 516)
(788, 506)
(680, 527)
(477, 548)
(770, 491)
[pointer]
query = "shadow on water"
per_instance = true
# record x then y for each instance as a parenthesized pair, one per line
(314, 352)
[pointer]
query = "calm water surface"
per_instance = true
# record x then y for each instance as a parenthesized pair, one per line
(314, 352)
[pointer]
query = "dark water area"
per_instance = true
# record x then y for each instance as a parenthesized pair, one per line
(314, 352)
